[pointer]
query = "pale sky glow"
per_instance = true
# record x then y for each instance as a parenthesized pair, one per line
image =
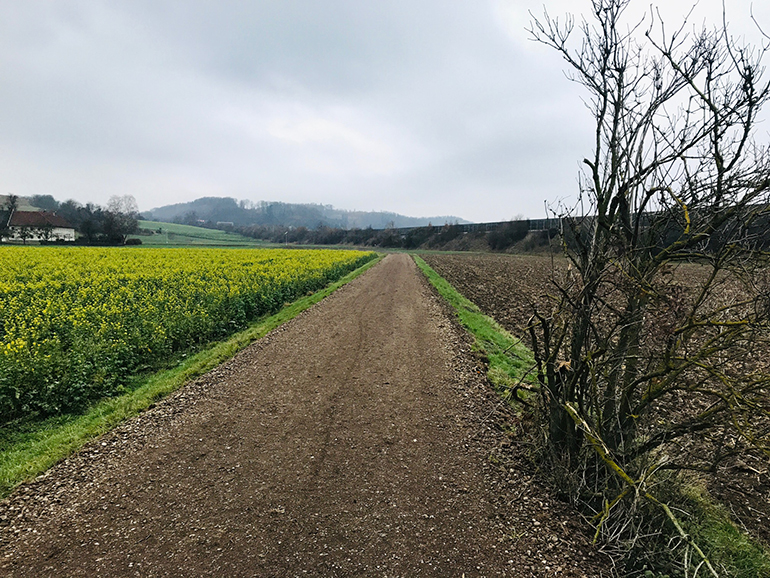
(420, 107)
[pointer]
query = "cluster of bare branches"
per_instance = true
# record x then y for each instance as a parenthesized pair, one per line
(654, 356)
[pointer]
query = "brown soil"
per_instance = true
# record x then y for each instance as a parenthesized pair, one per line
(358, 439)
(505, 287)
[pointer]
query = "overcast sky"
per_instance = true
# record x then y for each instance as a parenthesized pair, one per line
(422, 107)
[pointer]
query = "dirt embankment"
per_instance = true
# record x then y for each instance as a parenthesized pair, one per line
(359, 439)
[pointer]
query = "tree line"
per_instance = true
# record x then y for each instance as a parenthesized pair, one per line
(500, 238)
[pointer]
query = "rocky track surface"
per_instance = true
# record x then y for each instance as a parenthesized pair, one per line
(360, 439)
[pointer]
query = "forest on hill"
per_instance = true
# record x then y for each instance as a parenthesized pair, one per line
(312, 216)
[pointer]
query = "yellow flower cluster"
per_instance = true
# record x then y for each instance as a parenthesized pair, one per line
(76, 322)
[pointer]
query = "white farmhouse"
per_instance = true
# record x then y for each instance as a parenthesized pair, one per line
(38, 226)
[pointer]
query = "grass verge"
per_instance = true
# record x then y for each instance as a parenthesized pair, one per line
(510, 361)
(728, 549)
(36, 446)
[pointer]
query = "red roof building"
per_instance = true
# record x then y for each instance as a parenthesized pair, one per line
(38, 219)
(39, 226)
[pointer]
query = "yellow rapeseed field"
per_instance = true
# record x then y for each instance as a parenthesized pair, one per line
(76, 322)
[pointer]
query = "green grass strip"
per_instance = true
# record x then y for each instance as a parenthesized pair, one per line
(724, 543)
(174, 234)
(510, 361)
(45, 443)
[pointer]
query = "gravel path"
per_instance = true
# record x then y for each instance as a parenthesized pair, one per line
(360, 439)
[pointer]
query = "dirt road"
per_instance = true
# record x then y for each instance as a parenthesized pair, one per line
(358, 439)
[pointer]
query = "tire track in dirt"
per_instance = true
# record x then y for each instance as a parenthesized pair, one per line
(354, 440)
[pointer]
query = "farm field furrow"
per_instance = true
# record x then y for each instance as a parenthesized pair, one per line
(76, 323)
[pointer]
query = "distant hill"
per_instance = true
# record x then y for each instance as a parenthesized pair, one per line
(312, 216)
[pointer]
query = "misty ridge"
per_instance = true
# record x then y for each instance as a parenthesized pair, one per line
(213, 210)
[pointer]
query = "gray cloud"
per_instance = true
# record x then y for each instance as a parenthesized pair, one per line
(417, 107)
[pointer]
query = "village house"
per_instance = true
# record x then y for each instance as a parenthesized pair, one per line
(38, 226)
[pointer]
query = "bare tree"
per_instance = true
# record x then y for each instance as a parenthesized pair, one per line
(125, 204)
(6, 213)
(651, 358)
(121, 217)
(44, 232)
(25, 232)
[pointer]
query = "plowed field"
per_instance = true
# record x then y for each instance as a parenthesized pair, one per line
(503, 286)
(506, 287)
